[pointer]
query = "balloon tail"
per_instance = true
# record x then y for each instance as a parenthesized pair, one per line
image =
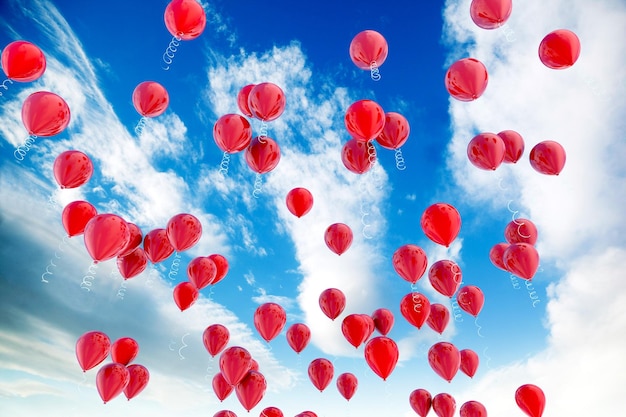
(51, 263)
(174, 268)
(374, 71)
(184, 345)
(532, 293)
(209, 370)
(515, 282)
(168, 55)
(487, 357)
(508, 33)
(47, 272)
(151, 276)
(258, 186)
(3, 85)
(456, 311)
(20, 152)
(478, 327)
(169, 346)
(224, 164)
(140, 126)
(400, 164)
(53, 204)
(210, 296)
(262, 131)
(121, 292)
(500, 186)
(89, 277)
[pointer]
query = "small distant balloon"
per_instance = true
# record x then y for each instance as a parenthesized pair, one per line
(242, 99)
(490, 14)
(368, 48)
(72, 169)
(486, 151)
(45, 114)
(338, 237)
(466, 79)
(185, 19)
(514, 145)
(23, 61)
(548, 157)
(76, 215)
(559, 49)
(299, 201)
(150, 99)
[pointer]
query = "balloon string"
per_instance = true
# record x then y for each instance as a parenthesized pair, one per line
(184, 345)
(175, 267)
(487, 356)
(209, 370)
(374, 71)
(363, 209)
(508, 33)
(51, 263)
(121, 292)
(52, 203)
(150, 279)
(224, 164)
(262, 132)
(375, 170)
(456, 311)
(515, 282)
(3, 85)
(171, 49)
(83, 382)
(478, 327)
(258, 186)
(140, 126)
(400, 164)
(210, 296)
(21, 151)
(532, 294)
(89, 277)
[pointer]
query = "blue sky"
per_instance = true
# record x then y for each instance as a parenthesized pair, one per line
(570, 343)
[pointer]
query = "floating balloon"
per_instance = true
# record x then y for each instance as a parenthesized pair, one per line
(370, 326)
(232, 133)
(269, 320)
(420, 401)
(332, 301)
(355, 329)
(124, 350)
(235, 362)
(338, 237)
(445, 359)
(201, 271)
(321, 372)
(548, 157)
(105, 236)
(514, 145)
(111, 381)
(251, 389)
(559, 49)
(368, 48)
(23, 61)
(445, 276)
(496, 253)
(242, 99)
(133, 263)
(225, 413)
(473, 409)
(358, 156)
(306, 414)
(490, 14)
(410, 262)
(254, 365)
(466, 79)
(486, 151)
(183, 231)
(415, 308)
(92, 348)
(531, 400)
(395, 132)
(134, 240)
(444, 405)
(365, 120)
(221, 387)
(262, 156)
(215, 338)
(469, 362)
(471, 299)
(157, 245)
(299, 201)
(521, 259)
(150, 99)
(139, 378)
(45, 114)
(521, 231)
(298, 336)
(438, 318)
(381, 354)
(76, 215)
(222, 267)
(72, 169)
(266, 101)
(383, 320)
(185, 19)
(185, 294)
(441, 223)
(271, 412)
(347, 384)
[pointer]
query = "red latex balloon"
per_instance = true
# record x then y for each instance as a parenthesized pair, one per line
(225, 413)
(496, 253)
(132, 264)
(221, 387)
(332, 301)
(368, 47)
(370, 326)
(444, 405)
(441, 223)
(410, 262)
(445, 359)
(395, 132)
(201, 271)
(321, 372)
(45, 114)
(157, 245)
(559, 49)
(383, 320)
(76, 215)
(215, 338)
(251, 389)
(338, 237)
(445, 277)
(347, 384)
(298, 336)
(139, 378)
(438, 318)
(471, 299)
(365, 120)
(271, 412)
(306, 414)
(242, 99)
(185, 19)
(381, 354)
(150, 99)
(184, 230)
(531, 400)
(490, 14)
(548, 157)
(235, 362)
(473, 409)
(232, 133)
(111, 380)
(72, 169)
(185, 294)
(415, 308)
(486, 151)
(466, 79)
(355, 329)
(23, 61)
(358, 156)
(262, 156)
(134, 240)
(420, 401)
(105, 236)
(521, 259)
(254, 365)
(124, 350)
(266, 101)
(521, 231)
(514, 145)
(299, 201)
(469, 362)
(222, 267)
(269, 320)
(92, 348)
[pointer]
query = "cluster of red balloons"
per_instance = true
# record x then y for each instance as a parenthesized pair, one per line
(517, 255)
(202, 271)
(239, 372)
(446, 360)
(489, 150)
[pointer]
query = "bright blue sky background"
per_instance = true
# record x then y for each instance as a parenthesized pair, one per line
(570, 344)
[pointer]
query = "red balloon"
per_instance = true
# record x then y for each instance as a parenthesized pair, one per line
(355, 329)
(381, 354)
(486, 151)
(338, 237)
(150, 99)
(368, 47)
(383, 320)
(105, 236)
(445, 277)
(365, 120)
(444, 405)
(559, 49)
(135, 239)
(420, 401)
(132, 264)
(395, 132)
(235, 362)
(76, 215)
(251, 389)
(23, 61)
(531, 400)
(92, 348)
(72, 169)
(184, 230)
(242, 99)
(222, 267)
(266, 101)
(347, 384)
(469, 362)
(232, 133)
(445, 359)
(299, 201)
(111, 380)
(262, 156)
(471, 299)
(521, 259)
(521, 231)
(306, 414)
(514, 145)
(441, 223)
(548, 157)
(410, 262)
(358, 156)
(157, 245)
(490, 14)
(321, 372)
(332, 301)
(298, 336)
(271, 412)
(415, 308)
(139, 377)
(225, 413)
(221, 387)
(466, 79)
(45, 114)
(473, 409)
(185, 19)
(215, 338)
(438, 318)
(370, 326)
(185, 294)
(201, 271)
(496, 253)
(254, 365)
(269, 320)
(124, 350)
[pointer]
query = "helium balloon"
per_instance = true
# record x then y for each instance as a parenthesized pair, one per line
(124, 350)
(368, 48)
(221, 387)
(358, 156)
(381, 354)
(559, 49)
(332, 301)
(150, 99)
(242, 99)
(235, 362)
(466, 79)
(445, 276)
(355, 329)
(266, 101)
(299, 201)
(469, 362)
(473, 409)
(23, 61)
(271, 412)
(370, 326)
(321, 372)
(232, 133)
(383, 320)
(365, 120)
(134, 240)
(76, 215)
(395, 131)
(262, 156)
(215, 338)
(157, 245)
(132, 264)
(420, 401)
(225, 413)
(306, 414)
(490, 14)
(105, 236)
(531, 400)
(185, 19)
(111, 381)
(183, 231)
(486, 151)
(45, 114)
(410, 262)
(139, 378)
(496, 253)
(298, 336)
(445, 359)
(514, 145)
(521, 259)
(441, 223)
(92, 348)
(471, 299)
(438, 318)
(251, 389)
(185, 294)
(201, 271)
(338, 237)
(72, 169)
(347, 384)
(444, 405)
(269, 320)
(548, 157)
(521, 231)
(222, 267)
(415, 308)
(254, 365)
